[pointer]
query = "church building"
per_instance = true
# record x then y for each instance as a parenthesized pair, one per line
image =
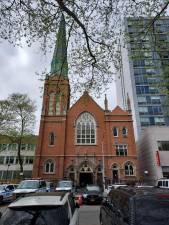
(84, 142)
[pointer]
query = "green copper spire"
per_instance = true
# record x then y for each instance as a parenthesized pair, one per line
(59, 65)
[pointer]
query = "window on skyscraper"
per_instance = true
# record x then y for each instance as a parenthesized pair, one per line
(138, 63)
(152, 80)
(142, 89)
(157, 110)
(145, 121)
(141, 99)
(143, 110)
(140, 79)
(159, 120)
(151, 71)
(155, 99)
(139, 71)
(153, 90)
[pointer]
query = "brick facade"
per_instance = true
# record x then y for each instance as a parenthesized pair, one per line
(83, 142)
(83, 163)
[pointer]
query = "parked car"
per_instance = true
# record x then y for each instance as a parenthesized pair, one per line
(64, 185)
(117, 185)
(6, 192)
(135, 206)
(48, 208)
(92, 194)
(29, 186)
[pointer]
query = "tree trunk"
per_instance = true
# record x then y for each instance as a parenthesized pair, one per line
(20, 158)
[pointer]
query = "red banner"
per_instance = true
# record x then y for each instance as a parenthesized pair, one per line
(158, 158)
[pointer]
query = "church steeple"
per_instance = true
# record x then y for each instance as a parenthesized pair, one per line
(59, 65)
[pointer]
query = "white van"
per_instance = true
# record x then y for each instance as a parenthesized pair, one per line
(163, 183)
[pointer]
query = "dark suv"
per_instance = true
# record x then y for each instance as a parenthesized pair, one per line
(92, 194)
(135, 206)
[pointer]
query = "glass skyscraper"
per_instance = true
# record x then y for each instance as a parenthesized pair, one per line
(145, 65)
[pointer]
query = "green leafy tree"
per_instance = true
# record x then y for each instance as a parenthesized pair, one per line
(94, 29)
(18, 120)
(5, 114)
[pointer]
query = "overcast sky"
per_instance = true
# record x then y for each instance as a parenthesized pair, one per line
(18, 68)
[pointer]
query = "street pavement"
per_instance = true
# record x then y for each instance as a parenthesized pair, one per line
(89, 215)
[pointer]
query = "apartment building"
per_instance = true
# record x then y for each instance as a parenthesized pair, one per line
(9, 165)
(144, 59)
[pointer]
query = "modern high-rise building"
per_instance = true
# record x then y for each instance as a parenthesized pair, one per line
(144, 61)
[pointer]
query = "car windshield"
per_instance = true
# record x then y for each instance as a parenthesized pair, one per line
(152, 211)
(31, 184)
(35, 216)
(93, 188)
(64, 184)
(2, 187)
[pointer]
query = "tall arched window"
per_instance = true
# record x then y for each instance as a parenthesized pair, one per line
(129, 170)
(51, 101)
(51, 138)
(58, 104)
(86, 129)
(49, 166)
(115, 132)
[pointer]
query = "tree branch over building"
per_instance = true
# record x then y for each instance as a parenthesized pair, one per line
(94, 36)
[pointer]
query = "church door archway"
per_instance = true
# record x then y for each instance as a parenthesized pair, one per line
(85, 176)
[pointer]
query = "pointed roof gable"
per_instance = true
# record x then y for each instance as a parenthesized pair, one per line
(59, 65)
(119, 111)
(85, 98)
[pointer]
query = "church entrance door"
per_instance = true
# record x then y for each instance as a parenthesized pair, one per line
(85, 178)
(85, 175)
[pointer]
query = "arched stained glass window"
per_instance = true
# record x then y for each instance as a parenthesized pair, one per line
(49, 166)
(86, 129)
(129, 170)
